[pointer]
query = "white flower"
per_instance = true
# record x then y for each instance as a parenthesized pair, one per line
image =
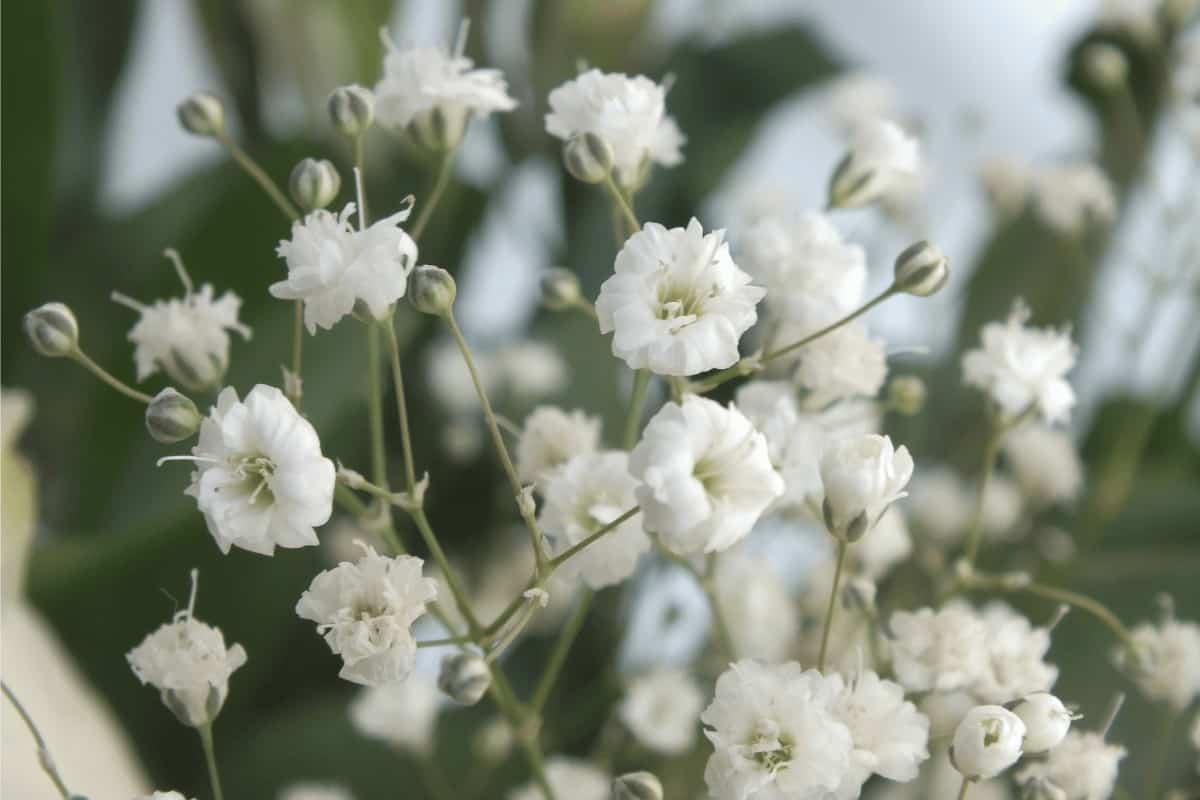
(628, 113)
(587, 493)
(1167, 665)
(530, 370)
(550, 437)
(187, 661)
(860, 98)
(676, 303)
(1045, 462)
(1006, 180)
(1083, 765)
(756, 606)
(942, 650)
(882, 160)
(705, 477)
(1046, 720)
(842, 364)
(795, 439)
(401, 713)
(1071, 197)
(260, 478)
(812, 275)
(862, 476)
(888, 545)
(332, 266)
(890, 736)
(418, 80)
(940, 504)
(987, 741)
(662, 711)
(1015, 652)
(1019, 366)
(568, 778)
(163, 796)
(315, 791)
(364, 611)
(775, 734)
(1002, 508)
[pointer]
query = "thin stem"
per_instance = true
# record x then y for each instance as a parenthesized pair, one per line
(214, 777)
(251, 168)
(441, 179)
(533, 754)
(558, 657)
(783, 351)
(622, 204)
(445, 641)
(85, 361)
(1110, 717)
(410, 473)
(44, 758)
(439, 557)
(966, 785)
(708, 582)
(833, 594)
(1162, 752)
(633, 419)
(297, 350)
(359, 169)
(375, 410)
(562, 557)
(991, 450)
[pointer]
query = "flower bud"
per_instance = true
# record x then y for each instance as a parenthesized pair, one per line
(464, 678)
(637, 786)
(560, 289)
(862, 476)
(172, 417)
(202, 114)
(1046, 720)
(314, 183)
(921, 269)
(906, 395)
(987, 742)
(1104, 65)
(431, 290)
(52, 330)
(351, 109)
(849, 187)
(588, 157)
(195, 706)
(438, 129)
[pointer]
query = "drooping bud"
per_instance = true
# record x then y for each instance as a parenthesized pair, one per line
(432, 290)
(1046, 720)
(314, 183)
(1104, 65)
(202, 114)
(172, 417)
(351, 109)
(906, 395)
(560, 289)
(438, 129)
(464, 678)
(588, 157)
(53, 330)
(921, 269)
(637, 786)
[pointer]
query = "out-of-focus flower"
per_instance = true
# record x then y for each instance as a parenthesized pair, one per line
(315, 791)
(882, 159)
(568, 777)
(756, 606)
(1045, 462)
(860, 98)
(662, 711)
(842, 364)
(550, 438)
(1083, 765)
(1166, 661)
(401, 713)
(1070, 197)
(1006, 181)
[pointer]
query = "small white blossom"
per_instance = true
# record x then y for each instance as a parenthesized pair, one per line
(1045, 462)
(1046, 720)
(315, 791)
(756, 606)
(587, 493)
(1015, 652)
(365, 609)
(629, 113)
(400, 713)
(1071, 197)
(704, 474)
(775, 734)
(882, 160)
(530, 370)
(942, 650)
(1084, 766)
(172, 795)
(795, 440)
(1019, 366)
(550, 437)
(1006, 181)
(862, 476)
(677, 304)
(941, 505)
(662, 711)
(987, 741)
(332, 265)
(842, 364)
(1166, 666)
(260, 478)
(568, 778)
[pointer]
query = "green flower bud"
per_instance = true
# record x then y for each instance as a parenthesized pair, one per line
(637, 786)
(438, 129)
(906, 395)
(314, 183)
(588, 157)
(53, 330)
(172, 417)
(560, 289)
(351, 109)
(464, 678)
(431, 290)
(921, 269)
(202, 114)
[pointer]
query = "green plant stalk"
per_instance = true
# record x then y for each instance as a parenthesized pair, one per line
(375, 410)
(842, 546)
(637, 399)
(966, 786)
(82, 358)
(564, 556)
(558, 657)
(991, 451)
(210, 758)
(441, 179)
(622, 204)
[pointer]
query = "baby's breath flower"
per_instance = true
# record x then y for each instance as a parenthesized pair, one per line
(941, 650)
(842, 364)
(1083, 766)
(464, 677)
(890, 736)
(1015, 654)
(662, 711)
(549, 439)
(401, 713)
(860, 98)
(1070, 197)
(1166, 662)
(862, 476)
(568, 778)
(881, 160)
(987, 742)
(637, 786)
(1045, 463)
(315, 791)
(53, 330)
(757, 608)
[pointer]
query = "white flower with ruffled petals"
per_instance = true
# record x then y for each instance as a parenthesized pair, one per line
(1166, 666)
(705, 476)
(332, 266)
(882, 160)
(550, 438)
(662, 711)
(365, 610)
(862, 476)
(1016, 653)
(1083, 766)
(942, 650)
(890, 736)
(677, 303)
(401, 713)
(842, 364)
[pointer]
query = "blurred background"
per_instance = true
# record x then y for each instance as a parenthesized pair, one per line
(99, 179)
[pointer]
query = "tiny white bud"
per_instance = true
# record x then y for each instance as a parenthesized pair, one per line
(906, 395)
(464, 678)
(921, 269)
(1104, 65)
(432, 290)
(314, 183)
(637, 786)
(202, 114)
(588, 157)
(560, 289)
(53, 330)
(987, 742)
(1046, 720)
(540, 597)
(438, 129)
(525, 502)
(351, 109)
(172, 417)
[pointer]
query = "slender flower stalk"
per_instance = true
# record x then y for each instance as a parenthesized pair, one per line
(842, 546)
(48, 765)
(558, 657)
(210, 757)
(441, 179)
(86, 362)
(562, 557)
(991, 451)
(633, 420)
(621, 203)
(966, 786)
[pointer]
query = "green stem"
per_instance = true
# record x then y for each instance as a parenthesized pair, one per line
(44, 758)
(562, 557)
(251, 168)
(210, 757)
(297, 350)
(375, 409)
(633, 420)
(445, 641)
(441, 179)
(833, 596)
(85, 361)
(1162, 752)
(622, 204)
(558, 657)
(360, 165)
(410, 473)
(966, 785)
(991, 450)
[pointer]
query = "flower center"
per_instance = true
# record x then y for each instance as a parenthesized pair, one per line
(771, 748)
(257, 472)
(680, 304)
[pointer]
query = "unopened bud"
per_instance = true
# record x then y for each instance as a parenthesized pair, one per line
(351, 109)
(921, 269)
(560, 289)
(52, 330)
(438, 129)
(431, 290)
(1104, 65)
(637, 786)
(906, 395)
(172, 417)
(464, 678)
(588, 157)
(850, 187)
(314, 183)
(1046, 720)
(202, 114)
